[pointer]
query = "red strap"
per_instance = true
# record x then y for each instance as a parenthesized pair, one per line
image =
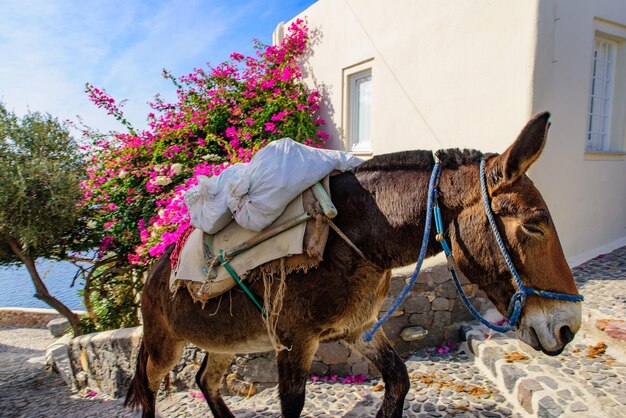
(180, 243)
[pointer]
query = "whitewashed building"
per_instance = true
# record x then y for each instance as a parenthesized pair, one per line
(429, 74)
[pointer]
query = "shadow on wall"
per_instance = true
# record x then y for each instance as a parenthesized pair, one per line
(327, 110)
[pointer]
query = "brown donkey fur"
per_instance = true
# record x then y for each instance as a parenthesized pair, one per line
(381, 208)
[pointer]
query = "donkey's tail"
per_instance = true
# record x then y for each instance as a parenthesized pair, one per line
(139, 394)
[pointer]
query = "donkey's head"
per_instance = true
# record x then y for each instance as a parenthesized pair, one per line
(529, 235)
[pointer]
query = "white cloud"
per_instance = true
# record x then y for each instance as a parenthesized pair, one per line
(50, 49)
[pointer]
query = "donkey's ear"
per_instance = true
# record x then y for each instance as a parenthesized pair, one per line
(526, 149)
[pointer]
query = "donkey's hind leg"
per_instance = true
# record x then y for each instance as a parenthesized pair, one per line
(293, 368)
(393, 369)
(209, 378)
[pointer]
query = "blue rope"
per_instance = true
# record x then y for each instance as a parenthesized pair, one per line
(434, 177)
(519, 298)
(518, 281)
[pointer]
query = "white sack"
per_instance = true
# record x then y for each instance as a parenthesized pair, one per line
(208, 201)
(276, 175)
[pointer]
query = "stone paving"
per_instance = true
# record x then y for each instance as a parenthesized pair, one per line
(444, 383)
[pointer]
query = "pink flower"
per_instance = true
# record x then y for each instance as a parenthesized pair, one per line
(270, 127)
(322, 135)
(231, 132)
(268, 84)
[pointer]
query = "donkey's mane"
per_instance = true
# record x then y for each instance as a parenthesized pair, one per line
(451, 158)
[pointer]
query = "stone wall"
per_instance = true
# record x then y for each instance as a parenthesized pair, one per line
(104, 361)
(431, 315)
(27, 317)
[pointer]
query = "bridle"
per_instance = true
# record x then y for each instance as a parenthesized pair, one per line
(516, 304)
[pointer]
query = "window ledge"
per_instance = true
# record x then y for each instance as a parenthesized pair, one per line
(362, 153)
(605, 155)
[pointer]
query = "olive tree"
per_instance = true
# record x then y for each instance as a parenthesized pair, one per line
(40, 172)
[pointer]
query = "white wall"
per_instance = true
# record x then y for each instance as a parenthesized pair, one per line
(469, 74)
(446, 73)
(586, 193)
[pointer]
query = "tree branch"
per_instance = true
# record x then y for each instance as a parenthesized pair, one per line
(41, 291)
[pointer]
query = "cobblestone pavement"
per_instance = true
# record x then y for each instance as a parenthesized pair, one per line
(442, 384)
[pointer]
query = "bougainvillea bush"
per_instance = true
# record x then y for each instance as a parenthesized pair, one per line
(223, 115)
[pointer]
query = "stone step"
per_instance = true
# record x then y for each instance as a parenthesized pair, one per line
(573, 384)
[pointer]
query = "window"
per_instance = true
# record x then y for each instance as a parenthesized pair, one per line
(601, 96)
(360, 111)
(358, 108)
(605, 131)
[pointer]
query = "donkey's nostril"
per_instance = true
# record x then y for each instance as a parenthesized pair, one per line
(566, 334)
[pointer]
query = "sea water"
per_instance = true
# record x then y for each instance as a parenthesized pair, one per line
(17, 288)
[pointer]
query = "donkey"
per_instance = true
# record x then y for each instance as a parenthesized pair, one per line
(381, 208)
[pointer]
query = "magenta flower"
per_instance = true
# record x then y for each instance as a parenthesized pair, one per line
(270, 127)
(221, 115)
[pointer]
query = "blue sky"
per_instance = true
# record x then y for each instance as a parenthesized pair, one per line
(50, 49)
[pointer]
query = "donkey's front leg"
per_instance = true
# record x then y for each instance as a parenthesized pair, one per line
(393, 369)
(293, 368)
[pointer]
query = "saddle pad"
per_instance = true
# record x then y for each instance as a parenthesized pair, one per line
(296, 249)
(194, 267)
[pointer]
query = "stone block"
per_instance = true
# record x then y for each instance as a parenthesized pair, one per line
(186, 378)
(334, 353)
(442, 319)
(415, 303)
(440, 304)
(565, 394)
(354, 357)
(424, 320)
(397, 284)
(340, 369)
(548, 381)
(460, 312)
(424, 278)
(548, 408)
(440, 274)
(511, 374)
(446, 290)
(489, 356)
(58, 327)
(362, 367)
(318, 368)
(261, 370)
(58, 358)
(578, 407)
(421, 288)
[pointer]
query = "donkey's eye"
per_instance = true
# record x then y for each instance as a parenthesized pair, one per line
(533, 229)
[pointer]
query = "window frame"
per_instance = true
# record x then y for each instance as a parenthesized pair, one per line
(358, 143)
(614, 144)
(605, 95)
(351, 75)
